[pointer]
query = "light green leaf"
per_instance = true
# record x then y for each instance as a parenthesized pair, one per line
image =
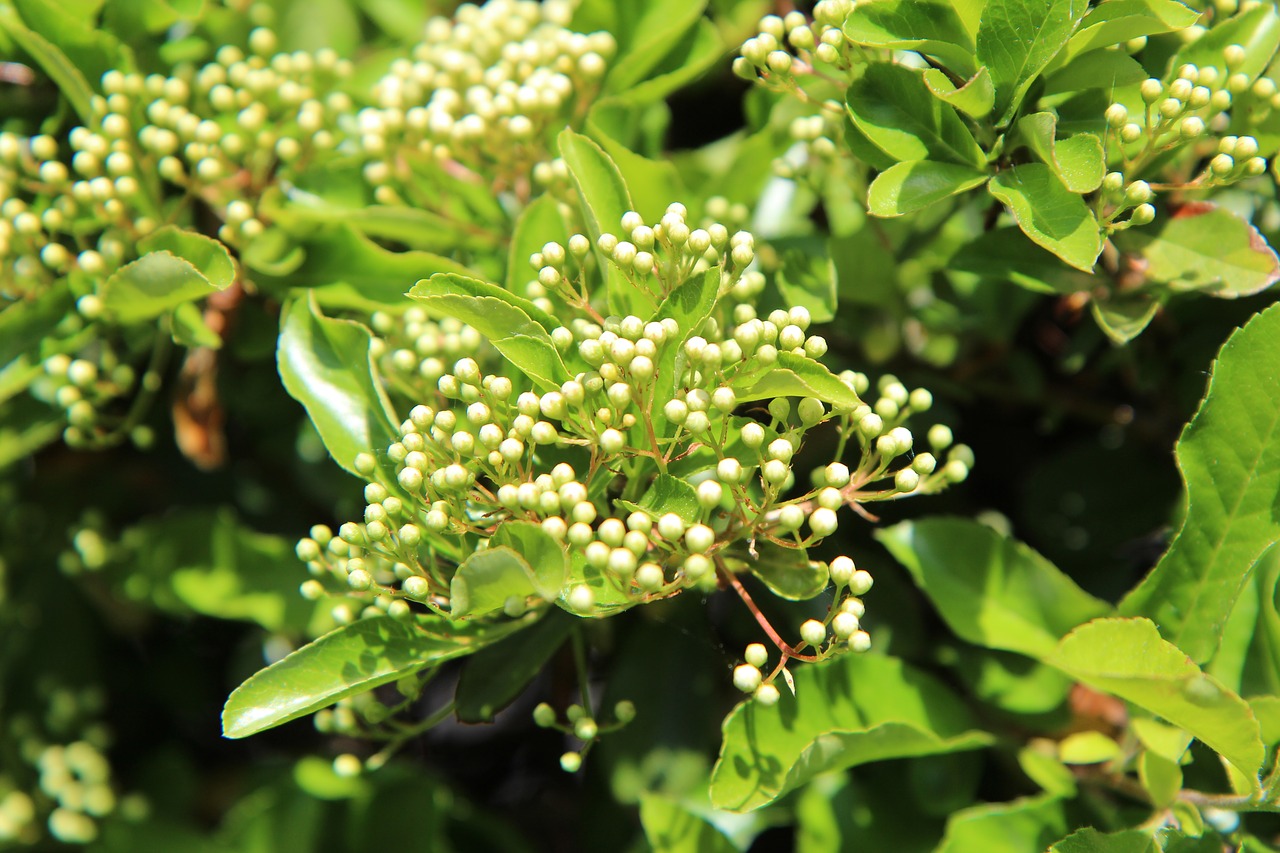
(23, 325)
(150, 286)
(1127, 658)
(1049, 213)
(500, 318)
(1088, 747)
(189, 330)
(1031, 823)
(604, 199)
(788, 572)
(669, 827)
(646, 36)
(352, 659)
(975, 98)
(1003, 255)
(1044, 768)
(1100, 69)
(494, 677)
(990, 590)
(892, 106)
(1229, 455)
(653, 184)
(1124, 316)
(1117, 21)
(931, 27)
(537, 547)
(911, 186)
(1267, 710)
(487, 580)
(69, 79)
(1012, 682)
(538, 224)
(793, 376)
(325, 365)
(1090, 840)
(671, 494)
(806, 275)
(1257, 31)
(1017, 40)
(207, 255)
(1078, 160)
(697, 51)
(1204, 248)
(849, 711)
(1161, 777)
(1164, 740)
(609, 599)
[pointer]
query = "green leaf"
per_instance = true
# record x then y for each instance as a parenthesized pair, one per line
(1049, 213)
(653, 184)
(494, 677)
(689, 304)
(542, 552)
(849, 711)
(1204, 248)
(990, 590)
(1101, 69)
(671, 494)
(189, 330)
(696, 52)
(23, 325)
(1117, 21)
(1078, 160)
(646, 33)
(522, 341)
(538, 224)
(1012, 682)
(449, 284)
(911, 186)
(931, 27)
(1124, 316)
(1027, 824)
(1164, 740)
(604, 199)
(975, 98)
(1044, 768)
(806, 275)
(1090, 840)
(609, 599)
(1257, 31)
(1161, 777)
(669, 827)
(1001, 254)
(325, 365)
(892, 106)
(793, 376)
(207, 255)
(487, 580)
(352, 659)
(26, 425)
(66, 76)
(1267, 710)
(88, 48)
(788, 572)
(1127, 658)
(1229, 455)
(314, 24)
(150, 286)
(1088, 747)
(1017, 39)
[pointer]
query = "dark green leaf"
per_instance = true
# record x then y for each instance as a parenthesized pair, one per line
(325, 366)
(930, 27)
(1017, 827)
(793, 376)
(23, 325)
(1017, 40)
(788, 572)
(1229, 455)
(1049, 213)
(990, 590)
(806, 275)
(850, 711)
(1127, 658)
(26, 425)
(908, 187)
(1090, 840)
(1078, 160)
(1123, 316)
(352, 659)
(1204, 248)
(493, 678)
(1004, 254)
(669, 827)
(975, 98)
(893, 108)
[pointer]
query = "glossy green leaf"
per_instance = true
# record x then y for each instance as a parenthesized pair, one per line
(1204, 248)
(1257, 31)
(1127, 658)
(893, 108)
(975, 98)
(538, 224)
(488, 580)
(1090, 840)
(1229, 455)
(1078, 160)
(1017, 40)
(911, 186)
(672, 494)
(793, 376)
(69, 79)
(787, 572)
(1031, 823)
(494, 677)
(931, 27)
(605, 199)
(609, 598)
(352, 659)
(150, 286)
(501, 318)
(1100, 69)
(207, 255)
(1049, 213)
(539, 549)
(850, 711)
(325, 365)
(991, 591)
(1124, 316)
(670, 827)
(1117, 21)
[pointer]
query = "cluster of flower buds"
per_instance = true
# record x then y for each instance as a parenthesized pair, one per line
(85, 389)
(794, 45)
(650, 397)
(582, 725)
(413, 351)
